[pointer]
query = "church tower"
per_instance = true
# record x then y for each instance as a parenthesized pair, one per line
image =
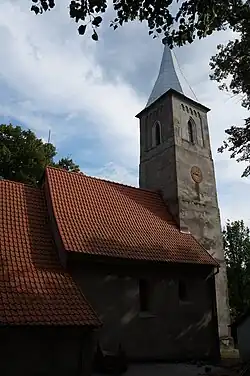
(176, 159)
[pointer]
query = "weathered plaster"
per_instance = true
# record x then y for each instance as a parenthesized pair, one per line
(167, 168)
(172, 329)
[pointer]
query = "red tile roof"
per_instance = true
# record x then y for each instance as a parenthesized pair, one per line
(34, 289)
(99, 217)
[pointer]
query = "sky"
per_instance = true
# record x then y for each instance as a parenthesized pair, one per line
(87, 93)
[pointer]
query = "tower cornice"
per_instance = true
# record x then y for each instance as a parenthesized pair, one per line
(177, 94)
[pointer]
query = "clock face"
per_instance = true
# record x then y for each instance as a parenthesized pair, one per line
(196, 174)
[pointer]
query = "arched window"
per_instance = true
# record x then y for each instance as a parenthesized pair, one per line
(191, 131)
(156, 134)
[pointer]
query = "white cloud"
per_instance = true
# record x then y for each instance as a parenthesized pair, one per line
(58, 77)
(51, 72)
(116, 173)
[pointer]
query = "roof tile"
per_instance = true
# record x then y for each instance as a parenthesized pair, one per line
(34, 289)
(100, 217)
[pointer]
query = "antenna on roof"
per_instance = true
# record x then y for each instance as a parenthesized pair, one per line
(49, 136)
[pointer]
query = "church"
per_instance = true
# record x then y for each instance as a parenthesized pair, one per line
(91, 265)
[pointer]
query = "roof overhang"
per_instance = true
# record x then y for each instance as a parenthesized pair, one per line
(177, 94)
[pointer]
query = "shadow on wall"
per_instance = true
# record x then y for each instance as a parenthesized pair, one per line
(170, 327)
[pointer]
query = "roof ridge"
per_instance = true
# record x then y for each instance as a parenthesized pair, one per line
(156, 192)
(18, 183)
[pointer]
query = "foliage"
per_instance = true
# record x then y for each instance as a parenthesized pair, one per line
(238, 144)
(67, 164)
(180, 23)
(23, 157)
(237, 254)
(193, 18)
(233, 60)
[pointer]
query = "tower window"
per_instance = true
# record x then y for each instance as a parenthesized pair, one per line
(144, 293)
(156, 134)
(182, 290)
(191, 131)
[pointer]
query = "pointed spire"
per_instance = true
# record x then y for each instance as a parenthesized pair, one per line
(167, 78)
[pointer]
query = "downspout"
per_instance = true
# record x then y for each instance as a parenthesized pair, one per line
(217, 270)
(213, 273)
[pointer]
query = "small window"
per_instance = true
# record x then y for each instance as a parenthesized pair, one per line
(144, 295)
(195, 113)
(182, 291)
(187, 109)
(190, 132)
(190, 109)
(182, 107)
(156, 134)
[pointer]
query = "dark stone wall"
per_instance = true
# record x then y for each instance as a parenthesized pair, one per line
(172, 329)
(157, 170)
(45, 351)
(167, 168)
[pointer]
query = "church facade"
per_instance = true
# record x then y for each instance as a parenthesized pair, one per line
(88, 263)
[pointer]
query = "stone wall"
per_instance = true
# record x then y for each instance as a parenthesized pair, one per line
(198, 204)
(157, 168)
(44, 351)
(167, 168)
(243, 335)
(171, 329)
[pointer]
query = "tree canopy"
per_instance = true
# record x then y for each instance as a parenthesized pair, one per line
(23, 156)
(181, 22)
(66, 164)
(237, 254)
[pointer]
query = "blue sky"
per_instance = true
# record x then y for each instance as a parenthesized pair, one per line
(88, 93)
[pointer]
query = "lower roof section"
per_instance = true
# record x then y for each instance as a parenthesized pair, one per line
(34, 288)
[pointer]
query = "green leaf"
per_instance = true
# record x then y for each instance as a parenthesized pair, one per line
(35, 9)
(95, 36)
(97, 20)
(82, 29)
